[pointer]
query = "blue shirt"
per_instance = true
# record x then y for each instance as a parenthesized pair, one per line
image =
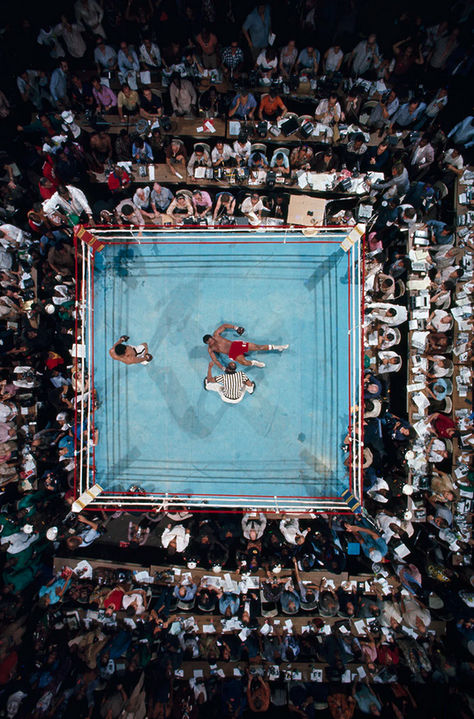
(229, 600)
(463, 132)
(306, 60)
(437, 228)
(258, 28)
(244, 108)
(57, 85)
(405, 118)
(190, 592)
(140, 154)
(67, 442)
(51, 590)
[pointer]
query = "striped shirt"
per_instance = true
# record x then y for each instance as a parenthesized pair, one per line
(232, 384)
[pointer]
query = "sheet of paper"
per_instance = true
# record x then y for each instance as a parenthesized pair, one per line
(421, 401)
(359, 625)
(208, 629)
(346, 677)
(303, 180)
(402, 550)
(197, 673)
(273, 671)
(243, 634)
(361, 672)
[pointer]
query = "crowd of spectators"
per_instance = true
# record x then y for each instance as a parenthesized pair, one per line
(329, 616)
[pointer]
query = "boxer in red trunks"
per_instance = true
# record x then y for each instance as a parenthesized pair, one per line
(236, 350)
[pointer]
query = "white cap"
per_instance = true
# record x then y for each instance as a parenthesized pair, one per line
(191, 565)
(407, 489)
(52, 533)
(49, 308)
(61, 417)
(28, 528)
(67, 116)
(375, 555)
(216, 568)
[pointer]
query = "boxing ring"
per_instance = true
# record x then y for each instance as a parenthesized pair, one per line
(150, 437)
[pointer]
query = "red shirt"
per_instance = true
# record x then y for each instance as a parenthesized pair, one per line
(116, 183)
(46, 192)
(114, 599)
(48, 171)
(441, 424)
(7, 666)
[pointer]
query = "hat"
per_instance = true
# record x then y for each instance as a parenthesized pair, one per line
(373, 407)
(435, 602)
(216, 568)
(375, 555)
(191, 564)
(49, 308)
(28, 528)
(407, 489)
(276, 569)
(52, 533)
(67, 116)
(368, 458)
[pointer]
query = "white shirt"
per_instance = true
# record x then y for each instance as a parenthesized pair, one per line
(14, 233)
(265, 64)
(377, 312)
(456, 162)
(77, 204)
(328, 113)
(225, 155)
(242, 152)
(363, 57)
(19, 541)
(73, 38)
(177, 532)
(422, 156)
(153, 57)
(138, 201)
(290, 528)
(128, 599)
(91, 15)
(441, 326)
(437, 447)
(332, 60)
(247, 206)
(49, 39)
(6, 412)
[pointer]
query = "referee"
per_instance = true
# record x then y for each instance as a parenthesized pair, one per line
(231, 385)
